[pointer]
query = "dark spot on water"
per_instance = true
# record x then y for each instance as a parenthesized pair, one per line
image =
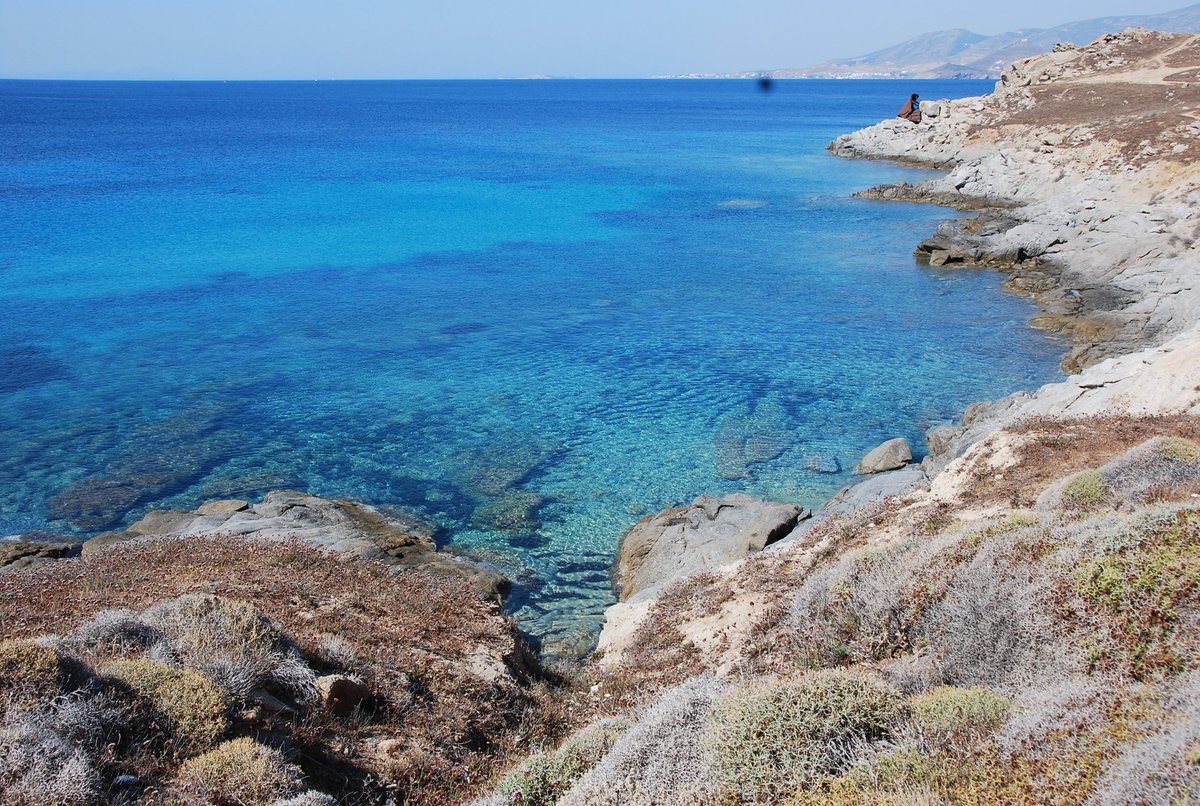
(27, 366)
(464, 329)
(527, 540)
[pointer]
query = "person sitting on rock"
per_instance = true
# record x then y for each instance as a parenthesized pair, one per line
(912, 110)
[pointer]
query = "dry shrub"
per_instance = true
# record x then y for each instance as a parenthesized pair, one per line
(996, 626)
(55, 751)
(117, 631)
(1163, 767)
(234, 643)
(951, 717)
(193, 705)
(661, 758)
(29, 672)
(240, 772)
(413, 633)
(769, 739)
(40, 766)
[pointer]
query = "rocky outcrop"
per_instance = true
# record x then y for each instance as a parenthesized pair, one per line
(707, 534)
(21, 551)
(335, 525)
(1092, 153)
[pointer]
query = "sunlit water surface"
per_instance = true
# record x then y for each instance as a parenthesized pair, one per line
(529, 312)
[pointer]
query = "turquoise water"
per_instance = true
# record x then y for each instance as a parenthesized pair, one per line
(529, 312)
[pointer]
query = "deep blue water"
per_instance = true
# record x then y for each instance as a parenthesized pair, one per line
(529, 312)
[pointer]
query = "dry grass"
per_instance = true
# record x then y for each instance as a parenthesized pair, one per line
(1055, 449)
(412, 637)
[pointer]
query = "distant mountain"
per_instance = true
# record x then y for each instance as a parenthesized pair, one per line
(962, 54)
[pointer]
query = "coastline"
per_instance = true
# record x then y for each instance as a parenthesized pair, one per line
(1105, 256)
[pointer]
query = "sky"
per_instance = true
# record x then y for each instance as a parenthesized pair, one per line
(305, 39)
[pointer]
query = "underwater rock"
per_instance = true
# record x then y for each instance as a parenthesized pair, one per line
(822, 463)
(163, 458)
(29, 365)
(748, 438)
(511, 511)
(494, 470)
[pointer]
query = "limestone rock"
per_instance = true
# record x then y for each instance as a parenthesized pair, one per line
(891, 455)
(223, 507)
(342, 694)
(346, 527)
(709, 533)
(20, 553)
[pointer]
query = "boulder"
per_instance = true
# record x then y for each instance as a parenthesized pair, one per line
(709, 533)
(891, 455)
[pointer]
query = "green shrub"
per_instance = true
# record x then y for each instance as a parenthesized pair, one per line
(240, 772)
(1086, 489)
(29, 671)
(542, 779)
(1138, 590)
(769, 739)
(950, 712)
(193, 705)
(1179, 449)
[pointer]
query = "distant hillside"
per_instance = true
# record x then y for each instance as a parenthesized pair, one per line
(962, 54)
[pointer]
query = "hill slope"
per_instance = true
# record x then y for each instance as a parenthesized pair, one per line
(958, 53)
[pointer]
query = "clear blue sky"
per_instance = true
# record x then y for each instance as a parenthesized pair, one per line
(274, 39)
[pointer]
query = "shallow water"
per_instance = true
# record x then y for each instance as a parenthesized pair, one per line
(531, 312)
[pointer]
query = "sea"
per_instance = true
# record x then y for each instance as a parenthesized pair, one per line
(524, 314)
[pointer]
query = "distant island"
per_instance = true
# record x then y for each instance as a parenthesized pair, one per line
(958, 53)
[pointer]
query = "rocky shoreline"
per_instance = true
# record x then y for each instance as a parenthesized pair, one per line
(1102, 239)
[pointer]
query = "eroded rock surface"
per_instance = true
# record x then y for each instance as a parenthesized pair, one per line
(334, 525)
(708, 533)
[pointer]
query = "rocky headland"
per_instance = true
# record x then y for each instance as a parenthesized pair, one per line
(1015, 619)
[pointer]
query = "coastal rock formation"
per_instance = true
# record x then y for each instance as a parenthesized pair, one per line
(22, 552)
(709, 533)
(1097, 147)
(891, 455)
(339, 526)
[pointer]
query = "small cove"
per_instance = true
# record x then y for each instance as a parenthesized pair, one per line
(528, 312)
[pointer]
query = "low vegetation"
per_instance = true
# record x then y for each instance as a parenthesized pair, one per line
(1033, 641)
(213, 670)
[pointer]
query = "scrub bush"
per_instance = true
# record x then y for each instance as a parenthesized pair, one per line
(240, 772)
(541, 779)
(948, 715)
(29, 671)
(768, 739)
(1086, 489)
(192, 704)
